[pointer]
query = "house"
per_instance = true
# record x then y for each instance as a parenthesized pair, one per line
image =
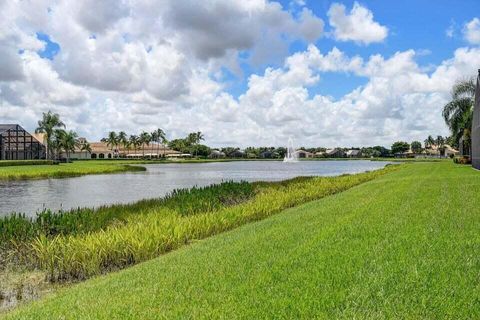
(268, 154)
(334, 153)
(237, 154)
(353, 153)
(100, 150)
(303, 154)
(216, 154)
(17, 144)
(450, 151)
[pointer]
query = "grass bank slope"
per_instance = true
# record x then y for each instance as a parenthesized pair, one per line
(26, 170)
(64, 170)
(405, 245)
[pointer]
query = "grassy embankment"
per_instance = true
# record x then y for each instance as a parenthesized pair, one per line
(24, 171)
(19, 170)
(405, 245)
(64, 170)
(79, 244)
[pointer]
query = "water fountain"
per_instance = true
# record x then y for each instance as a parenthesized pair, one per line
(292, 155)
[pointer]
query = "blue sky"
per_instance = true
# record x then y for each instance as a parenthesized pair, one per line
(414, 24)
(242, 72)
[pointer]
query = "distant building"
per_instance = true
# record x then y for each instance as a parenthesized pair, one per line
(237, 154)
(18, 144)
(100, 150)
(304, 154)
(353, 153)
(216, 154)
(269, 154)
(334, 153)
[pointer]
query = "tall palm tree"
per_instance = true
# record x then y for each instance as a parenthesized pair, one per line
(134, 141)
(154, 138)
(195, 138)
(68, 142)
(57, 142)
(458, 113)
(86, 147)
(122, 139)
(159, 137)
(50, 121)
(112, 140)
(145, 139)
(440, 143)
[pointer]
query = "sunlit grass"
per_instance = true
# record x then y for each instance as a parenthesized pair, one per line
(161, 228)
(405, 245)
(64, 170)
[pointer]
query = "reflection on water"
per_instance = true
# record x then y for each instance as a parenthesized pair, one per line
(95, 190)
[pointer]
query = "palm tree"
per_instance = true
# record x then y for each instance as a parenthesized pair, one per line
(429, 142)
(458, 113)
(50, 121)
(145, 139)
(195, 138)
(159, 137)
(440, 143)
(86, 147)
(57, 142)
(135, 142)
(122, 139)
(154, 138)
(68, 142)
(112, 140)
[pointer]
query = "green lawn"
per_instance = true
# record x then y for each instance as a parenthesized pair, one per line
(405, 245)
(79, 168)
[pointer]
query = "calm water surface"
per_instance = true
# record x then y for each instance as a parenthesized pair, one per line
(92, 191)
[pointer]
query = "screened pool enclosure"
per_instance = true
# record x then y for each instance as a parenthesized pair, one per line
(18, 144)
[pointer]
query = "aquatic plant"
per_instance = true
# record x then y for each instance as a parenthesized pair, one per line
(158, 229)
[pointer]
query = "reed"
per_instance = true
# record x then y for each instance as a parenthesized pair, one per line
(159, 229)
(20, 228)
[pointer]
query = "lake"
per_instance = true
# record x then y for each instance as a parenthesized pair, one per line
(31, 196)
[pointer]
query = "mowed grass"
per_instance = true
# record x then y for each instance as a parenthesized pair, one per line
(62, 170)
(86, 167)
(405, 245)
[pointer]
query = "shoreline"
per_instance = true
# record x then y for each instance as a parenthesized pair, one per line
(80, 168)
(240, 204)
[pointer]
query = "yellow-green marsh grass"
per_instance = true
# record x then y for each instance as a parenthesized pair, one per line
(148, 235)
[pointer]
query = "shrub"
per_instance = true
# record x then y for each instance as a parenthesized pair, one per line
(11, 163)
(462, 160)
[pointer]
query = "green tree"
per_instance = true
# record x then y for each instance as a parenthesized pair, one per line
(159, 137)
(145, 140)
(429, 142)
(68, 142)
(86, 147)
(135, 142)
(49, 123)
(440, 143)
(112, 140)
(400, 147)
(122, 140)
(458, 113)
(416, 146)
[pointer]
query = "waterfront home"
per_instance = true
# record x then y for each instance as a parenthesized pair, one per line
(17, 144)
(353, 153)
(100, 150)
(304, 154)
(237, 154)
(333, 153)
(215, 154)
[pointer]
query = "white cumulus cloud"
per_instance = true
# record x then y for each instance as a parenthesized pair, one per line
(357, 26)
(471, 31)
